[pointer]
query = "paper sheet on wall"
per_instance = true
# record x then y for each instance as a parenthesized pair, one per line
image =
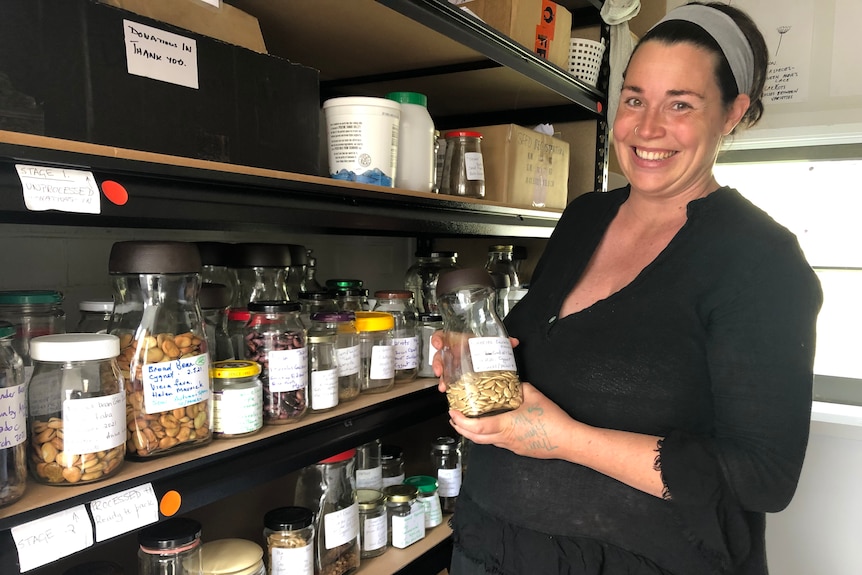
(846, 49)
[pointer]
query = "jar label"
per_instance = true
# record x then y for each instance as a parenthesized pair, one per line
(94, 424)
(291, 561)
(172, 384)
(324, 389)
(394, 480)
(340, 527)
(369, 478)
(238, 410)
(382, 362)
(13, 416)
(433, 513)
(408, 529)
(374, 533)
(492, 354)
(406, 352)
(348, 360)
(474, 166)
(449, 482)
(288, 369)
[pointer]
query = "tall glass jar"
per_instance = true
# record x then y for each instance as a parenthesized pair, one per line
(328, 488)
(478, 362)
(446, 458)
(276, 339)
(392, 464)
(314, 302)
(13, 419)
(463, 167)
(296, 271)
(172, 547)
(232, 556)
(323, 372)
(261, 270)
(341, 324)
(376, 351)
(77, 408)
(214, 301)
(289, 535)
(429, 324)
(237, 398)
(502, 268)
(94, 316)
(33, 313)
(421, 277)
(399, 303)
(216, 262)
(406, 516)
(163, 348)
(373, 528)
(369, 470)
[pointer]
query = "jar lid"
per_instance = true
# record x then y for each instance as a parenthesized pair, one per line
(215, 253)
(445, 443)
(233, 368)
(238, 315)
(298, 255)
(430, 317)
(30, 297)
(424, 483)
(408, 98)
(324, 338)
(175, 532)
(361, 101)
(400, 493)
(234, 556)
(426, 254)
(454, 280)
(316, 295)
(213, 296)
(154, 257)
(343, 456)
(393, 294)
(506, 249)
(390, 451)
(6, 329)
(333, 316)
(368, 499)
(261, 255)
(74, 347)
(288, 518)
(343, 283)
(275, 306)
(462, 134)
(374, 321)
(104, 306)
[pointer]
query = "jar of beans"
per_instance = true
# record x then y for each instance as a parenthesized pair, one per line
(276, 339)
(163, 357)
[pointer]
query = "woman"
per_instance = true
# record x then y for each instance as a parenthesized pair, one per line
(669, 338)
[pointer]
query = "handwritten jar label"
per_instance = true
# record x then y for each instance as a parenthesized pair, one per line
(382, 362)
(94, 423)
(13, 416)
(348, 360)
(406, 352)
(288, 369)
(491, 354)
(172, 384)
(340, 527)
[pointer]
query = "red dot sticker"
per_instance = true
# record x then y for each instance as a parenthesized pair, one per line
(115, 192)
(599, 107)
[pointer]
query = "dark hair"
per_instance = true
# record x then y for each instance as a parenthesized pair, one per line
(677, 31)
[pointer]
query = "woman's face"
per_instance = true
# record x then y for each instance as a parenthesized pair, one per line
(671, 119)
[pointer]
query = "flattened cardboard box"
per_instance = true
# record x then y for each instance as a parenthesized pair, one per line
(524, 167)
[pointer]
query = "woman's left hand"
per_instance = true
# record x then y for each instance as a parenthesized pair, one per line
(539, 428)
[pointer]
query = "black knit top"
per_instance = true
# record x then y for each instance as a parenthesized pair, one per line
(710, 347)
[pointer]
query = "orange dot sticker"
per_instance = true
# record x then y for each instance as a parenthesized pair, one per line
(170, 503)
(115, 192)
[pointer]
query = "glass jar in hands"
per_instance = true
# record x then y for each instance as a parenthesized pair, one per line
(478, 362)
(399, 303)
(275, 338)
(163, 350)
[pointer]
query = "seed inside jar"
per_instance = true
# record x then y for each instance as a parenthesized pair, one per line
(477, 394)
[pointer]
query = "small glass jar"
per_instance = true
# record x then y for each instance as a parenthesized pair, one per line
(172, 546)
(214, 301)
(342, 324)
(237, 398)
(33, 313)
(275, 339)
(323, 372)
(13, 419)
(373, 525)
(478, 362)
(405, 515)
(428, 497)
(328, 488)
(216, 261)
(463, 168)
(94, 316)
(376, 351)
(289, 535)
(313, 302)
(421, 277)
(369, 470)
(76, 409)
(232, 557)
(399, 303)
(392, 463)
(261, 271)
(429, 324)
(351, 299)
(446, 458)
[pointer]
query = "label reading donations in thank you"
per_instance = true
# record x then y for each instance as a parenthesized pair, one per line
(172, 384)
(492, 354)
(161, 55)
(61, 189)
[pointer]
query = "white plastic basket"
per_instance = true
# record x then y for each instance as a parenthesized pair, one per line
(585, 59)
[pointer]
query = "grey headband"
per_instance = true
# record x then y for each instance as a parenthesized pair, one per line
(733, 43)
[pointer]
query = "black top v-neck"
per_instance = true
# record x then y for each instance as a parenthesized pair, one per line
(711, 347)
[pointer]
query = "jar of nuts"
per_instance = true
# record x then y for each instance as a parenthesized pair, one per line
(478, 362)
(289, 535)
(77, 408)
(275, 338)
(163, 347)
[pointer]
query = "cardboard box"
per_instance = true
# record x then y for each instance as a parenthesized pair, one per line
(524, 167)
(542, 26)
(107, 76)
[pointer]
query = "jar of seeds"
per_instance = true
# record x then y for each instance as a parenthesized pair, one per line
(289, 535)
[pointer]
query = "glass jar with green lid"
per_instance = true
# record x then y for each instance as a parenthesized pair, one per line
(237, 398)
(289, 535)
(405, 515)
(373, 525)
(376, 351)
(13, 419)
(33, 313)
(351, 299)
(232, 556)
(428, 497)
